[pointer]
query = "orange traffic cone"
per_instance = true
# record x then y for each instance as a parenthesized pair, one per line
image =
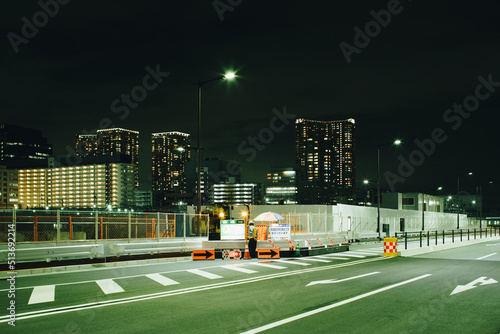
(247, 252)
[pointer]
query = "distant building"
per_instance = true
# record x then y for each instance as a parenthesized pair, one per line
(87, 186)
(281, 186)
(171, 151)
(109, 142)
(213, 171)
(8, 188)
(22, 147)
(412, 201)
(325, 161)
(472, 205)
(236, 194)
(143, 199)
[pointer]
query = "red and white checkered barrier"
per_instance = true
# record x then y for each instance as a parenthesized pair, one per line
(390, 247)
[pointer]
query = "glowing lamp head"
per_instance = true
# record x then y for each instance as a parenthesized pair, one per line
(229, 76)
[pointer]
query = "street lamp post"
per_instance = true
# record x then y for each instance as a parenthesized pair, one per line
(396, 142)
(458, 199)
(200, 84)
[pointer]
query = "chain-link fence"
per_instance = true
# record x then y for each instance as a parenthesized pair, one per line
(64, 225)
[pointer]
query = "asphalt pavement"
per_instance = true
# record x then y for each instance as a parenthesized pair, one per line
(359, 291)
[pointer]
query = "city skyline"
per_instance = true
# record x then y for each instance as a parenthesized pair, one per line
(432, 83)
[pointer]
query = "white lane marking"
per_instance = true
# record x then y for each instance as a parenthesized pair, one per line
(367, 252)
(352, 255)
(343, 254)
(315, 260)
(240, 269)
(109, 286)
(332, 257)
(331, 306)
(42, 294)
(87, 306)
(484, 257)
(204, 274)
(267, 265)
(161, 279)
(293, 262)
(330, 281)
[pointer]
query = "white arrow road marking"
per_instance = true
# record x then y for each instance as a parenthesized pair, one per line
(330, 281)
(484, 257)
(472, 285)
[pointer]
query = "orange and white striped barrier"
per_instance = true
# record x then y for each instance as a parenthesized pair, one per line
(390, 247)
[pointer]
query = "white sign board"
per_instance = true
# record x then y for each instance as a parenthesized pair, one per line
(280, 231)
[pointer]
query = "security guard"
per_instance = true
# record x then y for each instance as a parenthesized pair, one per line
(252, 239)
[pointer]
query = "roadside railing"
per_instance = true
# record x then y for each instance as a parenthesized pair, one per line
(38, 226)
(426, 238)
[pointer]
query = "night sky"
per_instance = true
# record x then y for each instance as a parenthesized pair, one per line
(398, 79)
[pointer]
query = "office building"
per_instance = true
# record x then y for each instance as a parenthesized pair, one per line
(281, 186)
(143, 199)
(325, 161)
(22, 147)
(101, 186)
(236, 194)
(170, 152)
(8, 188)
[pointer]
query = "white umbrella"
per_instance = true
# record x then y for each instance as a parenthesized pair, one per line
(269, 217)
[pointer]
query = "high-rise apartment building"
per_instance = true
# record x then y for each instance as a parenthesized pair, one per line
(325, 159)
(88, 186)
(170, 152)
(22, 147)
(109, 142)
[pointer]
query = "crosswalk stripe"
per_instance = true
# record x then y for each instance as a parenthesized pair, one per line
(109, 286)
(293, 262)
(315, 260)
(204, 274)
(267, 265)
(240, 269)
(161, 279)
(42, 294)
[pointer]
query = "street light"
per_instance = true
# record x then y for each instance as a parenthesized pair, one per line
(458, 199)
(200, 84)
(396, 143)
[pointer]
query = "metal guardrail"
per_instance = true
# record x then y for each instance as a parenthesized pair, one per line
(55, 252)
(148, 247)
(441, 236)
